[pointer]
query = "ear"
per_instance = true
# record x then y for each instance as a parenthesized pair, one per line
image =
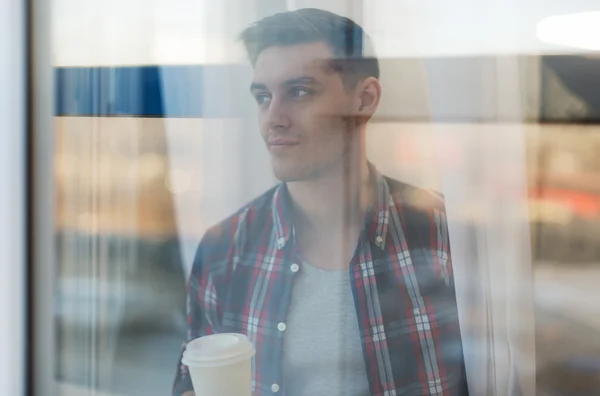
(368, 95)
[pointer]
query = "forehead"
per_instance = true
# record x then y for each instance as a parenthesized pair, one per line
(277, 64)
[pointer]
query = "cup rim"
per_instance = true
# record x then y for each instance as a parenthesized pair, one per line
(244, 350)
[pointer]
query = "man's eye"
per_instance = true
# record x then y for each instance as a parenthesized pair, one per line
(262, 98)
(300, 92)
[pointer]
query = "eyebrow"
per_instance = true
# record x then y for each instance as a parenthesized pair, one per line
(293, 81)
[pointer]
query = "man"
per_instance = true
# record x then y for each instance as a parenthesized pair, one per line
(341, 277)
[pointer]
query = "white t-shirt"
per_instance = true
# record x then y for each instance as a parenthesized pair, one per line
(322, 348)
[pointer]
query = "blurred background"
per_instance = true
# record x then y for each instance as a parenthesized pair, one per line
(155, 139)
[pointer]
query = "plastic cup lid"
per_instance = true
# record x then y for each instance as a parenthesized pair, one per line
(218, 350)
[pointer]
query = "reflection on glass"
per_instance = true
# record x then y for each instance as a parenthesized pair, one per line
(157, 141)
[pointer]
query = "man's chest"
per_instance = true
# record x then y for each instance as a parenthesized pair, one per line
(395, 293)
(388, 287)
(404, 307)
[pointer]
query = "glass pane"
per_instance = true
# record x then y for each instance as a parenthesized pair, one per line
(13, 199)
(428, 219)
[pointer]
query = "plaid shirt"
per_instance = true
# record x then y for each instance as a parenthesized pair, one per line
(402, 283)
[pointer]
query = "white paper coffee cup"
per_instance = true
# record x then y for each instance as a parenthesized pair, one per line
(220, 364)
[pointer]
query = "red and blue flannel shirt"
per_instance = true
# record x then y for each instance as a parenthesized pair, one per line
(402, 283)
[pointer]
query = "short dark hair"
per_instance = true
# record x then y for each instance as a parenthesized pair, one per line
(351, 47)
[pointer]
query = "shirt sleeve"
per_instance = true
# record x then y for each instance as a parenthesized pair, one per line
(202, 314)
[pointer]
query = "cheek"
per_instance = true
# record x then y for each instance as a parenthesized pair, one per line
(323, 124)
(263, 124)
(327, 134)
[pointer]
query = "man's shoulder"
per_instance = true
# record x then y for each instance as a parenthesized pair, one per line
(422, 213)
(415, 198)
(251, 219)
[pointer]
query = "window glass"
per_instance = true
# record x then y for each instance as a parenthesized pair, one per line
(213, 179)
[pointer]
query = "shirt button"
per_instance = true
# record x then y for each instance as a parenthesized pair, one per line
(379, 239)
(294, 267)
(275, 388)
(281, 326)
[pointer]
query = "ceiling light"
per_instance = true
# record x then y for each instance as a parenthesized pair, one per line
(580, 30)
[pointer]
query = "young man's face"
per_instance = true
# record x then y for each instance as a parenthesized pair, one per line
(303, 110)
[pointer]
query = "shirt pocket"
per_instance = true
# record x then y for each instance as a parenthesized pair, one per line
(432, 272)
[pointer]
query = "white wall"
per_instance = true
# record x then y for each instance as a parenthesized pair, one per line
(202, 31)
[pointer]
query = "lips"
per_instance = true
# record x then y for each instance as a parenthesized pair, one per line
(281, 145)
(282, 142)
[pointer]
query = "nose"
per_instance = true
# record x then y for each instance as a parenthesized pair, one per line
(277, 116)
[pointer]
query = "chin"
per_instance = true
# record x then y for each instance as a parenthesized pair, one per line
(291, 173)
(288, 176)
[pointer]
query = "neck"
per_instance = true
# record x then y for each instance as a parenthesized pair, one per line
(334, 202)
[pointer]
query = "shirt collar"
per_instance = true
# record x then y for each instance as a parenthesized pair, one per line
(282, 216)
(376, 219)
(378, 216)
